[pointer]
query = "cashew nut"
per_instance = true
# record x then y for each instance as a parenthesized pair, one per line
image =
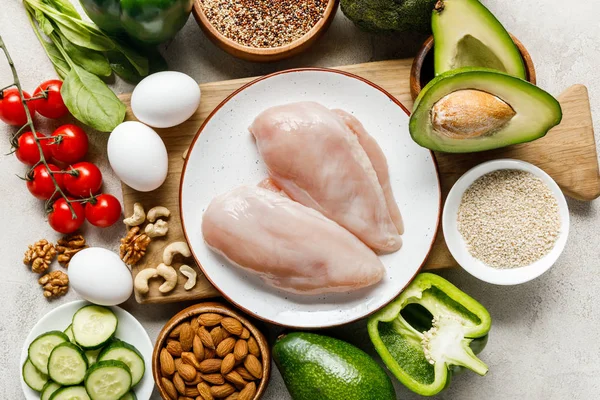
(141, 279)
(173, 249)
(190, 273)
(138, 217)
(170, 276)
(159, 228)
(157, 212)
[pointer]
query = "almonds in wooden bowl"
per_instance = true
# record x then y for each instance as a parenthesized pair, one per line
(209, 351)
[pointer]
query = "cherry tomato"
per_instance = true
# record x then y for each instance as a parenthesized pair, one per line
(103, 211)
(85, 181)
(52, 106)
(40, 183)
(61, 219)
(12, 111)
(27, 150)
(70, 145)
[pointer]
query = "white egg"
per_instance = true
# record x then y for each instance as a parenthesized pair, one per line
(165, 99)
(138, 156)
(99, 276)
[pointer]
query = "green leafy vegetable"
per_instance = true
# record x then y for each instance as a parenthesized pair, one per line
(138, 61)
(91, 101)
(65, 7)
(58, 61)
(123, 67)
(90, 60)
(44, 22)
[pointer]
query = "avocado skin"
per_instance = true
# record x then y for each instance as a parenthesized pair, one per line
(388, 16)
(320, 367)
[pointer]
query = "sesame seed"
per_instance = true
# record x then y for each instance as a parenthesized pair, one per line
(264, 23)
(509, 219)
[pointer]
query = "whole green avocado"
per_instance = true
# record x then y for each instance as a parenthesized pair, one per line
(320, 367)
(385, 16)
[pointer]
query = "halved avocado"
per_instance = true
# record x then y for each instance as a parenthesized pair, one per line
(475, 109)
(466, 34)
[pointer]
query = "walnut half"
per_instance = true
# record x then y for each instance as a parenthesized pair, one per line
(133, 246)
(55, 283)
(68, 246)
(39, 256)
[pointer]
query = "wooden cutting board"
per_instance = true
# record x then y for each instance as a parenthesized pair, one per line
(567, 153)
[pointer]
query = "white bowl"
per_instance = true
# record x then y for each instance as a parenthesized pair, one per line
(458, 247)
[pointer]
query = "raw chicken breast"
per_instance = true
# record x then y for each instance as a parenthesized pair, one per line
(291, 247)
(314, 156)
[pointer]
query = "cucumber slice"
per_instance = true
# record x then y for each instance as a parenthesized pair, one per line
(70, 393)
(69, 333)
(67, 364)
(93, 326)
(48, 390)
(108, 380)
(40, 349)
(128, 354)
(92, 356)
(129, 396)
(33, 377)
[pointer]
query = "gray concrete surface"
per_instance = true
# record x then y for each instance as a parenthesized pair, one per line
(544, 341)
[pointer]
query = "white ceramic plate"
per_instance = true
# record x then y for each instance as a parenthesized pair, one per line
(458, 247)
(128, 330)
(224, 155)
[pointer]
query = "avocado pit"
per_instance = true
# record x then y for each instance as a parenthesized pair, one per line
(469, 113)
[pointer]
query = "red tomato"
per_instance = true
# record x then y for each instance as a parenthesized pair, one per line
(40, 183)
(70, 145)
(85, 181)
(27, 150)
(103, 211)
(12, 111)
(52, 106)
(61, 219)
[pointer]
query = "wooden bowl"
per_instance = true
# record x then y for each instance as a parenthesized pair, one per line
(265, 54)
(422, 67)
(195, 311)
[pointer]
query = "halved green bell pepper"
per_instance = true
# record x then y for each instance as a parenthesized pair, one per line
(148, 21)
(429, 332)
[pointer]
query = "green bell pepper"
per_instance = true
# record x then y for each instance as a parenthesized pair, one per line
(429, 332)
(147, 21)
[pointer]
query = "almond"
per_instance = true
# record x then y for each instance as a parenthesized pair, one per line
(227, 364)
(245, 334)
(204, 391)
(196, 380)
(232, 325)
(225, 347)
(178, 362)
(253, 366)
(186, 336)
(179, 384)
(217, 335)
(248, 392)
(175, 332)
(169, 388)
(206, 338)
(222, 391)
(185, 398)
(225, 334)
(210, 319)
(236, 379)
(253, 347)
(174, 348)
(234, 396)
(209, 353)
(198, 348)
(244, 373)
(215, 379)
(192, 391)
(210, 365)
(167, 365)
(194, 324)
(240, 351)
(190, 358)
(188, 373)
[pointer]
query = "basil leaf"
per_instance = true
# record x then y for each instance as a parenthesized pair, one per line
(90, 60)
(91, 101)
(65, 7)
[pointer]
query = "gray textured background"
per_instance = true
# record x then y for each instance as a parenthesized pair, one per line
(544, 341)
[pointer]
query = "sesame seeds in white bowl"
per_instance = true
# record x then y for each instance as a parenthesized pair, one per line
(505, 222)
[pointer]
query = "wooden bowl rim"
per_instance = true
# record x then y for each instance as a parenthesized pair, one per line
(265, 51)
(203, 308)
(417, 66)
